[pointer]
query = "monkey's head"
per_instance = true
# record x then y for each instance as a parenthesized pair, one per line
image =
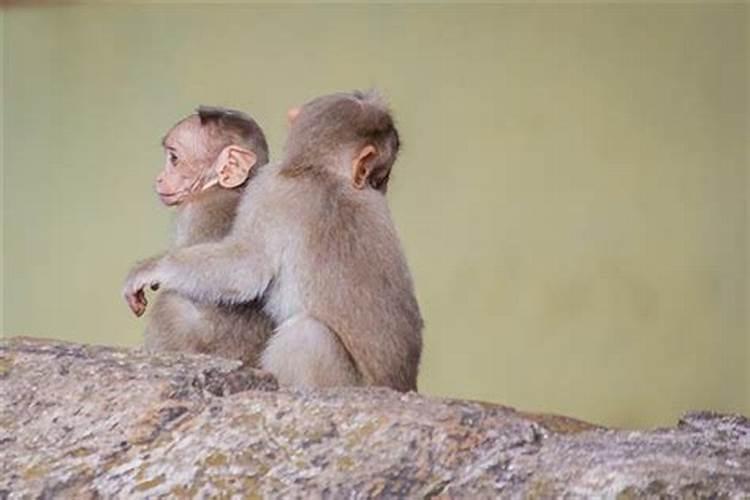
(350, 132)
(214, 146)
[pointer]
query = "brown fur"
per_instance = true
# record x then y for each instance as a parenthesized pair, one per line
(323, 254)
(177, 323)
(206, 213)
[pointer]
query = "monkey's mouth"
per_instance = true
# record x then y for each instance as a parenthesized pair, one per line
(170, 199)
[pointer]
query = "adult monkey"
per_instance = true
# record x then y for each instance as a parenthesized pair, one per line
(211, 155)
(314, 237)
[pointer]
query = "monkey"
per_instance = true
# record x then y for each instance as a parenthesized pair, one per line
(314, 237)
(211, 156)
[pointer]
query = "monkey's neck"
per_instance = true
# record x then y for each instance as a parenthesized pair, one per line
(303, 166)
(206, 216)
(212, 195)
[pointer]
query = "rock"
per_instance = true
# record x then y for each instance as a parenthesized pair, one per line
(82, 422)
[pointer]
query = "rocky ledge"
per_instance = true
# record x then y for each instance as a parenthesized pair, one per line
(81, 421)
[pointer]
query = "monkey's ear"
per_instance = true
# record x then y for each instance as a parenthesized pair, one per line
(291, 115)
(233, 165)
(362, 166)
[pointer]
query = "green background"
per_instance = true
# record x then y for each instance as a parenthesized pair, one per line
(572, 194)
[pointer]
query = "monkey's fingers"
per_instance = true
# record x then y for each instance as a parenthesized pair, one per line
(132, 303)
(136, 301)
(142, 302)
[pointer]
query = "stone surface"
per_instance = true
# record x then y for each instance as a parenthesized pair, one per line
(82, 422)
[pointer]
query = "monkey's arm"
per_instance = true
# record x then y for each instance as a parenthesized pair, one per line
(218, 272)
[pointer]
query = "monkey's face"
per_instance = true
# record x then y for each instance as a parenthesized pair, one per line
(187, 163)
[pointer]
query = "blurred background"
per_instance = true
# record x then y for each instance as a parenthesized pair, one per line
(572, 194)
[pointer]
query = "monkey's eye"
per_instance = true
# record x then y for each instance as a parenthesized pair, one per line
(173, 158)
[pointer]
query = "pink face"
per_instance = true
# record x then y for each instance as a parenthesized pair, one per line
(184, 165)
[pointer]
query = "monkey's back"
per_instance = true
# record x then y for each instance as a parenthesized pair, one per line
(351, 275)
(178, 323)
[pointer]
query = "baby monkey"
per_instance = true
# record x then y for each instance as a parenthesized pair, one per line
(210, 158)
(314, 237)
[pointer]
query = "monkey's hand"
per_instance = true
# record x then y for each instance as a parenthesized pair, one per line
(143, 274)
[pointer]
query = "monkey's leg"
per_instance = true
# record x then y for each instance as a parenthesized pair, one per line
(305, 352)
(176, 323)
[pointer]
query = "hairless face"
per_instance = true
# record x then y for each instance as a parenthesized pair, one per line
(214, 146)
(187, 160)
